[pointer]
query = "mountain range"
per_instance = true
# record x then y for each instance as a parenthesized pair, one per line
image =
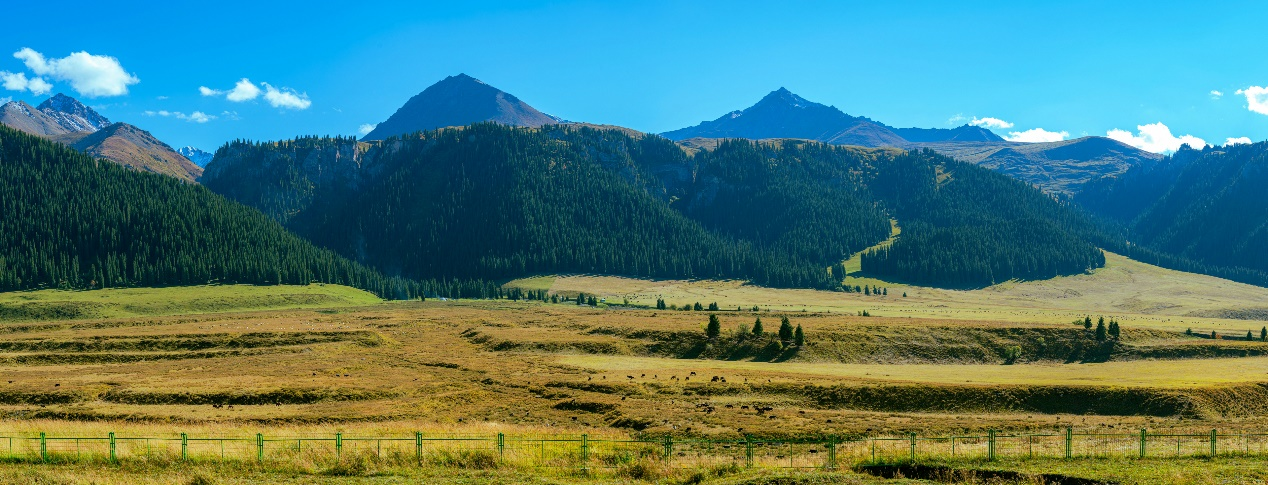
(65, 120)
(1057, 167)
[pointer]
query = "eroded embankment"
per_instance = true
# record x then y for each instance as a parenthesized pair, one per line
(1208, 402)
(878, 344)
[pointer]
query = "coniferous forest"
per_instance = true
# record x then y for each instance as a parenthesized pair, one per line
(490, 201)
(74, 222)
(1196, 210)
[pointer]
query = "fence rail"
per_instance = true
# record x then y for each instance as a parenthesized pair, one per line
(585, 452)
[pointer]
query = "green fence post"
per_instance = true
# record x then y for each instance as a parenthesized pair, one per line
(259, 447)
(912, 437)
(873, 450)
(338, 446)
(832, 453)
(669, 448)
(748, 451)
(1069, 442)
(113, 457)
(990, 445)
(1213, 434)
(418, 446)
(585, 449)
(1142, 442)
(43, 447)
(501, 446)
(184, 447)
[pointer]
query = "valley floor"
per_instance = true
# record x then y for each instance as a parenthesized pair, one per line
(320, 361)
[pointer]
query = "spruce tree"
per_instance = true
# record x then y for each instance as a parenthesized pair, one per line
(1114, 330)
(1263, 334)
(714, 329)
(757, 327)
(785, 331)
(799, 337)
(1101, 332)
(867, 290)
(1087, 323)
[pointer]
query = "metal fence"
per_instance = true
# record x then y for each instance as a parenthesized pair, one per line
(583, 452)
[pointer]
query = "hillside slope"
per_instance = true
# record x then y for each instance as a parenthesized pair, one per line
(491, 201)
(73, 222)
(137, 149)
(1206, 207)
(1057, 167)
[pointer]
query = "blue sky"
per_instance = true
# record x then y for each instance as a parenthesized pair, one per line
(330, 67)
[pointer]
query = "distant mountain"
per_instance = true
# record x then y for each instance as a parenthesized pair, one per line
(64, 119)
(459, 101)
(1061, 167)
(964, 133)
(23, 117)
(135, 148)
(782, 114)
(72, 114)
(199, 157)
(1205, 207)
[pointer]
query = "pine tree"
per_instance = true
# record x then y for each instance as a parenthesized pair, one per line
(1114, 330)
(785, 331)
(713, 307)
(698, 307)
(757, 327)
(1087, 323)
(581, 299)
(1101, 332)
(714, 329)
(799, 337)
(867, 290)
(1263, 334)
(885, 291)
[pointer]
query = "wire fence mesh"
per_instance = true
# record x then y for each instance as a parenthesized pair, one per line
(581, 451)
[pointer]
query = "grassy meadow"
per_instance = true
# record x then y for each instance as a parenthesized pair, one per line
(320, 360)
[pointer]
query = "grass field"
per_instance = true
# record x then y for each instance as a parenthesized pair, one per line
(318, 360)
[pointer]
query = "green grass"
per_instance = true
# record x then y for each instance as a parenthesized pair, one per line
(184, 300)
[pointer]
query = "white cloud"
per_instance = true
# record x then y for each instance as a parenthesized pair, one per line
(196, 117)
(89, 75)
(229, 115)
(991, 123)
(161, 98)
(1215, 94)
(243, 91)
(1037, 135)
(285, 98)
(17, 81)
(957, 119)
(1256, 99)
(1156, 138)
(5, 100)
(366, 129)
(1245, 140)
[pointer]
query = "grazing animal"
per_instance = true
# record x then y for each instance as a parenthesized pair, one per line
(629, 377)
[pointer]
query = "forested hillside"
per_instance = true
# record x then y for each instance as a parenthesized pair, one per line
(490, 201)
(72, 221)
(1197, 210)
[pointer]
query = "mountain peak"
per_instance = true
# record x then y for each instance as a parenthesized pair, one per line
(72, 114)
(784, 96)
(459, 101)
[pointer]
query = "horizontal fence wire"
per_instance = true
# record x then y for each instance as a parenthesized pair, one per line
(581, 451)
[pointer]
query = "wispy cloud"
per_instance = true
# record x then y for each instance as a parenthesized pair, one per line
(1037, 135)
(365, 129)
(245, 90)
(1216, 94)
(1156, 138)
(991, 123)
(1242, 140)
(1256, 98)
(195, 117)
(89, 75)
